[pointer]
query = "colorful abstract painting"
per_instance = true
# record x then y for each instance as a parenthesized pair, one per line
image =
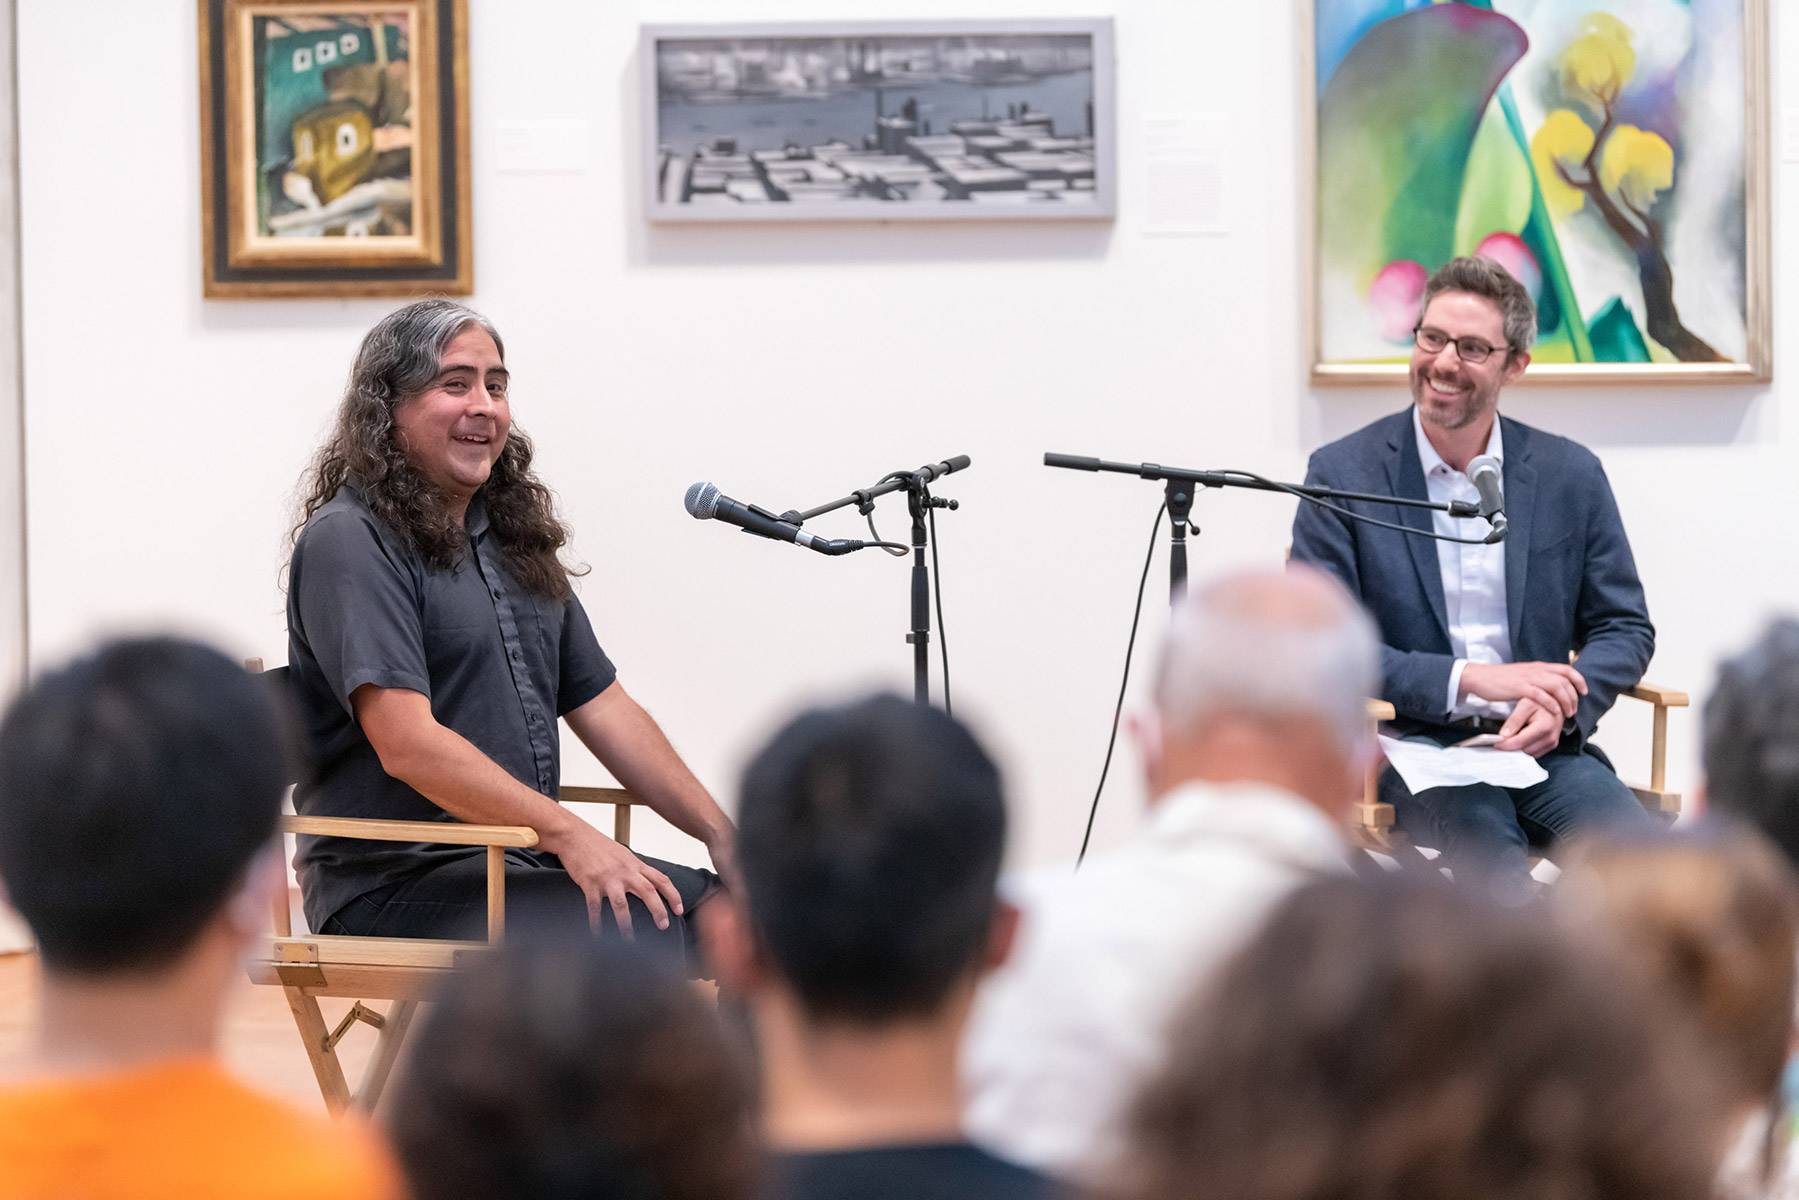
(1609, 153)
(334, 147)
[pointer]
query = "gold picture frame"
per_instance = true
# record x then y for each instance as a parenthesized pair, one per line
(1367, 250)
(334, 148)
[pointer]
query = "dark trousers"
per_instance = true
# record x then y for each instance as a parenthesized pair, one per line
(542, 900)
(1488, 831)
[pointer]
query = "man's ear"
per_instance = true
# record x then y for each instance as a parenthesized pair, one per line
(265, 885)
(1145, 730)
(1002, 934)
(730, 945)
(1515, 368)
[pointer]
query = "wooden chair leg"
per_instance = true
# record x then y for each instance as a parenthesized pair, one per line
(387, 1051)
(319, 1049)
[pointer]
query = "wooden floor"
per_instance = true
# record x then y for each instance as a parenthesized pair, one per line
(259, 1044)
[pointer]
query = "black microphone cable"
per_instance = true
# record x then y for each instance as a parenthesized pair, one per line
(1355, 516)
(1123, 684)
(937, 587)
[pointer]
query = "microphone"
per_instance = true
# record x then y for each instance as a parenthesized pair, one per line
(1485, 474)
(705, 503)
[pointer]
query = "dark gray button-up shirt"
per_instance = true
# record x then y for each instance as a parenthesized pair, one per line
(498, 664)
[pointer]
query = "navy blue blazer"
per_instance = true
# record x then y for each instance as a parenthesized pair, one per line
(1570, 582)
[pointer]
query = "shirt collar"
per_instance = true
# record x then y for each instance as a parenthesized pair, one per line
(474, 521)
(1279, 824)
(1430, 460)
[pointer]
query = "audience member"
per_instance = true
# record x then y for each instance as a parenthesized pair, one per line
(556, 1072)
(1709, 918)
(1751, 736)
(870, 839)
(1258, 745)
(139, 795)
(1396, 1038)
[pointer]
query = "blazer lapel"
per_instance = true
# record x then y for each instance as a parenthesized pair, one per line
(1405, 477)
(1520, 507)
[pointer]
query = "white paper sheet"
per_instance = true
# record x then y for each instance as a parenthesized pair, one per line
(1423, 765)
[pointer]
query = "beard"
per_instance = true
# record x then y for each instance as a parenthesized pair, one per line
(1473, 400)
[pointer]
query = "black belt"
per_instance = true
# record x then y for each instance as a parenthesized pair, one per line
(1474, 725)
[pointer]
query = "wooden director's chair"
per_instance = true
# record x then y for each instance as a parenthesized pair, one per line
(403, 970)
(1372, 821)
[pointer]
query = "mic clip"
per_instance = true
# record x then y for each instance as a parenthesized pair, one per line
(1464, 508)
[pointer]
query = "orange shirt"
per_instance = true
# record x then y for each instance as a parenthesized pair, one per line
(183, 1129)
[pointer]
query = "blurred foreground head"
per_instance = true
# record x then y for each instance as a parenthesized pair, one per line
(1710, 918)
(137, 786)
(552, 1072)
(1268, 668)
(869, 839)
(1396, 1038)
(1751, 736)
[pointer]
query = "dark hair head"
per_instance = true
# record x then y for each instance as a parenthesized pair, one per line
(1398, 1039)
(870, 838)
(398, 360)
(1709, 915)
(1486, 278)
(136, 786)
(553, 1072)
(1751, 736)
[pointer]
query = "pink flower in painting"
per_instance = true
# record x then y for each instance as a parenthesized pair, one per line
(1510, 252)
(1393, 298)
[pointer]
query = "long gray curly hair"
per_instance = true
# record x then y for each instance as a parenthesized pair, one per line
(397, 361)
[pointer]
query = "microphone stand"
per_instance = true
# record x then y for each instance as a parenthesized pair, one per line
(919, 502)
(1181, 483)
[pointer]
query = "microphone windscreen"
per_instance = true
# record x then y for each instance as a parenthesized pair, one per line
(702, 501)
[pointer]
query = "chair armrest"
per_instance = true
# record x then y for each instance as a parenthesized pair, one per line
(412, 831)
(1658, 695)
(1381, 710)
(598, 795)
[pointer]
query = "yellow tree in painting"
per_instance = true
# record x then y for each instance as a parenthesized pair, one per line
(1622, 171)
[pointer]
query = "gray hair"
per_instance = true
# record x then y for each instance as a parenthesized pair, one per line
(1272, 645)
(1751, 736)
(399, 357)
(1486, 278)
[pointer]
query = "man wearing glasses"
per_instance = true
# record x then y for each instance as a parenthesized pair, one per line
(1478, 637)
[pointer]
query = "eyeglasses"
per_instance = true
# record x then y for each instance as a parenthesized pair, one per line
(1468, 349)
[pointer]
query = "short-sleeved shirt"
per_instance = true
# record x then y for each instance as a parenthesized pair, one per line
(948, 1171)
(498, 664)
(180, 1130)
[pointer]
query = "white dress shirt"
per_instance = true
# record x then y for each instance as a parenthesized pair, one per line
(1064, 1034)
(1473, 576)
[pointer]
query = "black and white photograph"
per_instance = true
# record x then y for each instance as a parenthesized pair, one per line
(902, 120)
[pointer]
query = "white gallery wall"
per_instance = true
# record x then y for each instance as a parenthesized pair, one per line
(790, 365)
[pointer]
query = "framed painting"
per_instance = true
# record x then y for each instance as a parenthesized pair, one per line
(896, 120)
(334, 147)
(1612, 154)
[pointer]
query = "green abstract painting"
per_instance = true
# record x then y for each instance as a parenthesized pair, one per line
(1611, 154)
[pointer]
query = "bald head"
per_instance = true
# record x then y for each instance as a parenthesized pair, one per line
(1269, 645)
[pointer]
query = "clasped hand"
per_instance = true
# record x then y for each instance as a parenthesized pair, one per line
(1546, 695)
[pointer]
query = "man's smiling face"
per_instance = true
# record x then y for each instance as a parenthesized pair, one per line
(454, 430)
(1453, 394)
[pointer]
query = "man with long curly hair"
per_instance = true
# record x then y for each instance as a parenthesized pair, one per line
(434, 641)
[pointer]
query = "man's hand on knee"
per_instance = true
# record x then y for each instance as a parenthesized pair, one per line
(1531, 728)
(1554, 686)
(609, 874)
